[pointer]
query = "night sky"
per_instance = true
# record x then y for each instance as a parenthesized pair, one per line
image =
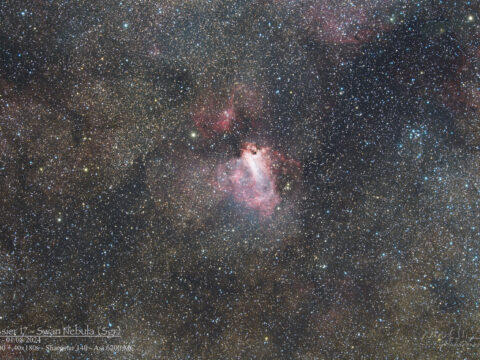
(275, 179)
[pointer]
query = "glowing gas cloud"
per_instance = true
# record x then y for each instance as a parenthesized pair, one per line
(215, 115)
(251, 179)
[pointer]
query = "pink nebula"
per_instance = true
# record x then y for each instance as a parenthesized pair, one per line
(250, 179)
(463, 91)
(344, 22)
(214, 114)
(211, 118)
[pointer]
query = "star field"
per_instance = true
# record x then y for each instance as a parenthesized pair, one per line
(277, 179)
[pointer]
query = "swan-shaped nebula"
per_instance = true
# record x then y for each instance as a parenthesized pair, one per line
(250, 179)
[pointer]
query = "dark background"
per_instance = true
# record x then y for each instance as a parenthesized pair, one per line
(107, 216)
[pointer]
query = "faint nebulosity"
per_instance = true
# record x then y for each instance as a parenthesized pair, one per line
(275, 179)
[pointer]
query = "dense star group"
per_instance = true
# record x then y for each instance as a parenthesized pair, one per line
(278, 179)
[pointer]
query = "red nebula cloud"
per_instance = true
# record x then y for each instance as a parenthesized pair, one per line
(252, 178)
(343, 22)
(210, 118)
(213, 115)
(462, 95)
(463, 91)
(225, 120)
